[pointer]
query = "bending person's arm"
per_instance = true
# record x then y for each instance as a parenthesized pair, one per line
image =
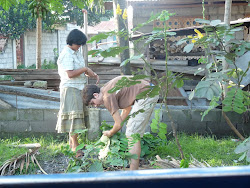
(118, 120)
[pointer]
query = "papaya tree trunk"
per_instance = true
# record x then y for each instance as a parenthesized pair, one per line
(38, 42)
(227, 19)
(232, 126)
(122, 41)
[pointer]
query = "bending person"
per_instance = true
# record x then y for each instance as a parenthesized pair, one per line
(123, 99)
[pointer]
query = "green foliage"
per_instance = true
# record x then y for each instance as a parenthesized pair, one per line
(188, 47)
(110, 52)
(49, 65)
(234, 101)
(8, 152)
(164, 84)
(207, 89)
(19, 16)
(217, 36)
(149, 143)
(118, 155)
(244, 148)
(6, 77)
(16, 21)
(158, 127)
(39, 8)
(213, 104)
(132, 58)
(184, 163)
(74, 12)
(124, 82)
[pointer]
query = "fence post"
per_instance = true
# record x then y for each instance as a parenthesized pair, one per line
(14, 54)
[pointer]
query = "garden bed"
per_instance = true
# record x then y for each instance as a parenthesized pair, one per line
(54, 155)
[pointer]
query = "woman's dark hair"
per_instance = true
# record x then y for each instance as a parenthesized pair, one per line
(88, 92)
(76, 37)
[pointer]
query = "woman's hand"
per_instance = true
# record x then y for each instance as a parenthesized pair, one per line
(91, 73)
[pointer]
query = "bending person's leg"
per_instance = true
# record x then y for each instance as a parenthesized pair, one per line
(136, 149)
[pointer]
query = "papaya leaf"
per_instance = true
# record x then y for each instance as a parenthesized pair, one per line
(242, 157)
(132, 58)
(244, 146)
(96, 167)
(198, 20)
(205, 92)
(101, 36)
(191, 95)
(215, 22)
(188, 47)
(94, 53)
(248, 156)
(113, 51)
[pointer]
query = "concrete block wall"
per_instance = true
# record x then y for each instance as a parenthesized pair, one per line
(28, 120)
(186, 120)
(6, 61)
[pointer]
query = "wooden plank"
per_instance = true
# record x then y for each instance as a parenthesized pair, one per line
(35, 77)
(28, 71)
(30, 92)
(5, 105)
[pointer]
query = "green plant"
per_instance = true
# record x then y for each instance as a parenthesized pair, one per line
(220, 44)
(6, 77)
(244, 148)
(163, 84)
(49, 65)
(158, 127)
(118, 154)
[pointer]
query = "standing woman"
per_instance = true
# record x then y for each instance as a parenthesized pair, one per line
(73, 72)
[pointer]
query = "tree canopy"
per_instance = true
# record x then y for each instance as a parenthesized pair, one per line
(16, 17)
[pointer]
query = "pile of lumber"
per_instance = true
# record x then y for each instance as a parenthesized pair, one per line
(20, 76)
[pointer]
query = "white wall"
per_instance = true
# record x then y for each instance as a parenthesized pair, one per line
(6, 61)
(50, 40)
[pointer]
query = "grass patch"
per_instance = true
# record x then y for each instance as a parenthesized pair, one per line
(216, 152)
(50, 146)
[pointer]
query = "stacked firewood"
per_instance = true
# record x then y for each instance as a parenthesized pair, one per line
(157, 49)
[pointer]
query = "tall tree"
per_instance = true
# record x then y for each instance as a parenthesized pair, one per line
(40, 8)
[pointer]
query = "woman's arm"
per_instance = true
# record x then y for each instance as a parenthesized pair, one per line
(86, 70)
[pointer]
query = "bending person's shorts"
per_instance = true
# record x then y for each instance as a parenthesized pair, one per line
(138, 123)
